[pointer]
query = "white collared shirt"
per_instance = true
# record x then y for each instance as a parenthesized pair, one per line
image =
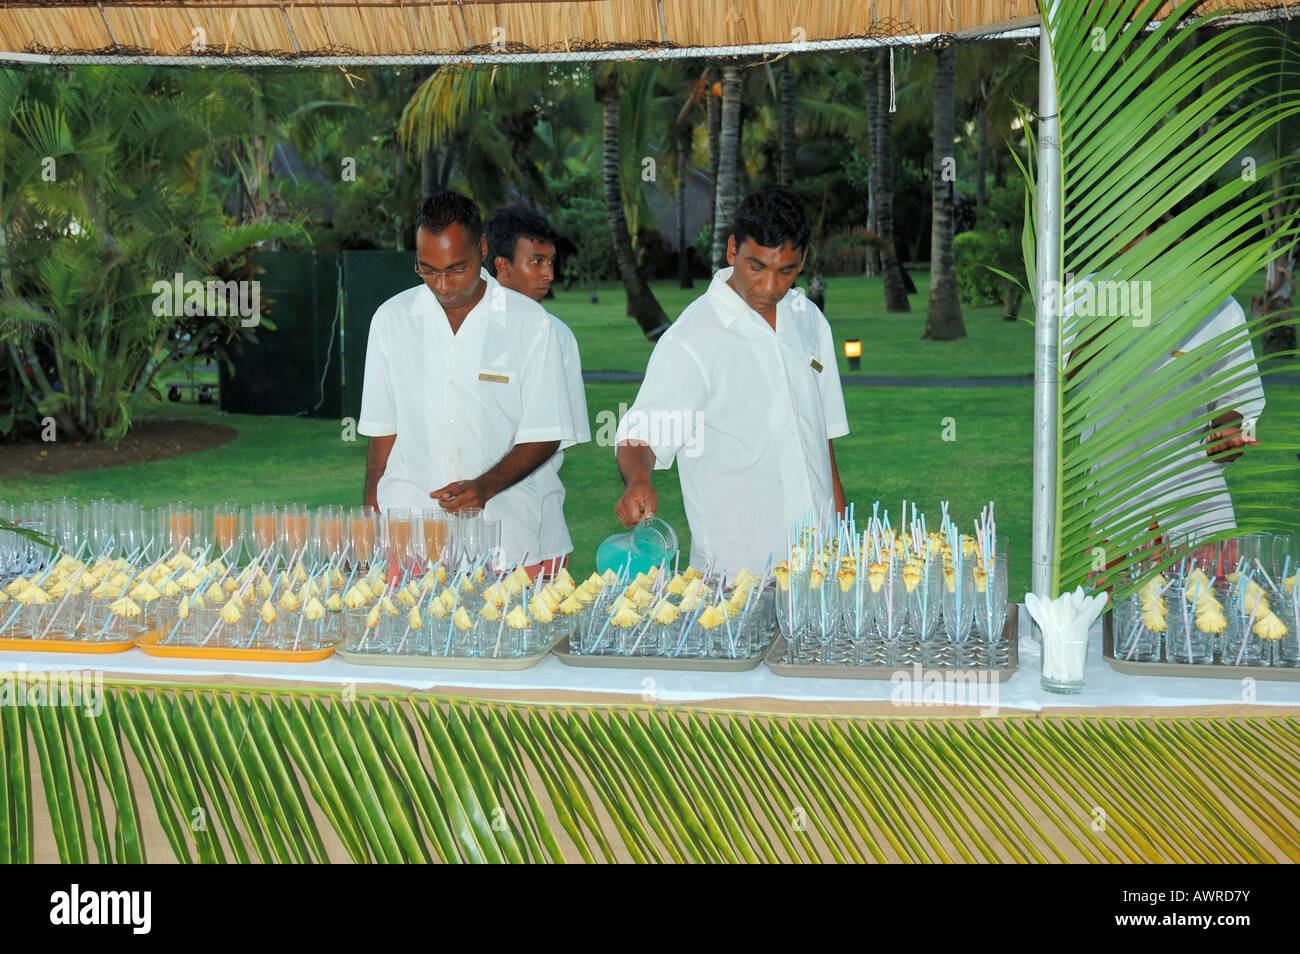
(747, 414)
(555, 539)
(1187, 472)
(459, 403)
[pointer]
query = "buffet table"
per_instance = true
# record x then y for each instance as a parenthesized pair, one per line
(331, 761)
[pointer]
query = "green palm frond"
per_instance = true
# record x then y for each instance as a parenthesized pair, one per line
(284, 775)
(1149, 122)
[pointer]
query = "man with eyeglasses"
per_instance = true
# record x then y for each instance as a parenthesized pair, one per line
(464, 394)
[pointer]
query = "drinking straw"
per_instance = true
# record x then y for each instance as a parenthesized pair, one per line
(1249, 623)
(455, 604)
(1268, 578)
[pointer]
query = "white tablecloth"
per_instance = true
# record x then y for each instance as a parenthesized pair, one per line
(1105, 687)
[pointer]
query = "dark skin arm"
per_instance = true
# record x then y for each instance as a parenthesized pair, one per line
(1228, 437)
(636, 463)
(836, 486)
(376, 463)
(522, 460)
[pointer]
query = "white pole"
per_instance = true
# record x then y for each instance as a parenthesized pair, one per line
(1047, 320)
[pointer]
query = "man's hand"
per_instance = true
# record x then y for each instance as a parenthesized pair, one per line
(460, 494)
(639, 500)
(521, 461)
(1227, 438)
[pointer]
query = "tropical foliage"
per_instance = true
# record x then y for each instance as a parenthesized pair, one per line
(106, 191)
(304, 776)
(1148, 119)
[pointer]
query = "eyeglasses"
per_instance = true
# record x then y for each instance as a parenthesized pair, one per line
(428, 270)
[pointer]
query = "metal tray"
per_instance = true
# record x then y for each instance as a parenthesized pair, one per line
(611, 661)
(776, 654)
(412, 661)
(1195, 670)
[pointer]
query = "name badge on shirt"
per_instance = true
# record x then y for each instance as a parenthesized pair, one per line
(497, 378)
(816, 365)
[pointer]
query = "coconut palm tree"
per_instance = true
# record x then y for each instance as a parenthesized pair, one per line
(727, 183)
(882, 179)
(943, 320)
(641, 302)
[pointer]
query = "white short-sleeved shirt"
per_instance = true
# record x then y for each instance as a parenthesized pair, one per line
(1172, 500)
(459, 403)
(555, 539)
(747, 414)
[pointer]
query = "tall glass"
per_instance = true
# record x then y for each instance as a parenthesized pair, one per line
(469, 534)
(435, 535)
(101, 526)
(327, 534)
(398, 538)
(292, 533)
(363, 536)
(225, 531)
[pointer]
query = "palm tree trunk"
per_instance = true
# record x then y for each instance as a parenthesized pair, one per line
(882, 174)
(724, 208)
(713, 114)
(641, 302)
(943, 320)
(684, 279)
(872, 265)
(787, 124)
(981, 157)
(428, 172)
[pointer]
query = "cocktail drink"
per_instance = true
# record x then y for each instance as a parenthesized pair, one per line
(225, 530)
(435, 528)
(363, 535)
(327, 532)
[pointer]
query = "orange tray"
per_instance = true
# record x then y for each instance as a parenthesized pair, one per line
(149, 644)
(9, 644)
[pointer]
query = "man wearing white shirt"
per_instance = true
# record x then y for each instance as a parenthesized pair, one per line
(1186, 495)
(744, 392)
(464, 394)
(521, 255)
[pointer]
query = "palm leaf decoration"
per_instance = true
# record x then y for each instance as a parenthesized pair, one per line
(219, 775)
(1155, 120)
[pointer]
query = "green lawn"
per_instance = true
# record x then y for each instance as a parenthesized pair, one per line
(891, 344)
(895, 451)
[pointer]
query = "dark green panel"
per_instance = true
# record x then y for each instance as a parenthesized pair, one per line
(369, 279)
(294, 369)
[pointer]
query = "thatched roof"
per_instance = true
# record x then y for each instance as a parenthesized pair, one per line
(390, 28)
(321, 32)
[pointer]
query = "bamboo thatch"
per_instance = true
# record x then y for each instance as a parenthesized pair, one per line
(412, 27)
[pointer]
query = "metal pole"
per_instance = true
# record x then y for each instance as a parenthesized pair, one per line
(1047, 321)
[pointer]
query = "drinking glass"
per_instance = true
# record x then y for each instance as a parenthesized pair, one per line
(226, 538)
(1131, 640)
(399, 539)
(327, 533)
(292, 537)
(469, 532)
(64, 524)
(496, 558)
(435, 535)
(363, 536)
(101, 526)
(130, 531)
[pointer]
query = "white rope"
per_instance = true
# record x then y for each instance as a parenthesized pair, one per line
(891, 80)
